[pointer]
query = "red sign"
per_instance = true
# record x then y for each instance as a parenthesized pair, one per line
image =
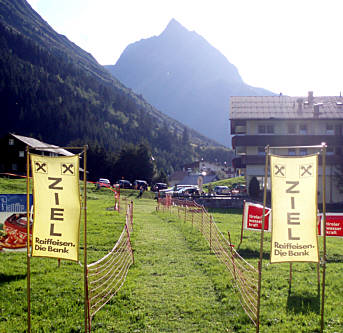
(334, 225)
(252, 217)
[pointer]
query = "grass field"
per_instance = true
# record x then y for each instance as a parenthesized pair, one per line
(175, 285)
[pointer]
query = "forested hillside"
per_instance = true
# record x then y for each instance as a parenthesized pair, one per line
(52, 90)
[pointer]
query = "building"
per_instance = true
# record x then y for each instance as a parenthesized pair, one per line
(209, 168)
(13, 152)
(284, 121)
(190, 178)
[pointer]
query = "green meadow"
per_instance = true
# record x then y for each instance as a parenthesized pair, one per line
(175, 284)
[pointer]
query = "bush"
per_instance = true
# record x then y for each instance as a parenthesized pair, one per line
(254, 187)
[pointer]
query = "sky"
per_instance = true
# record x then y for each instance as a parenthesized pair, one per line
(285, 46)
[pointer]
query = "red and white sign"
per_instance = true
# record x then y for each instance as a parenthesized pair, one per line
(252, 217)
(334, 225)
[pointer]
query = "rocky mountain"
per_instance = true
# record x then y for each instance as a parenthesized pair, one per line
(53, 90)
(181, 74)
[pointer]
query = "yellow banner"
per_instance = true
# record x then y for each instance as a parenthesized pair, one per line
(294, 206)
(57, 207)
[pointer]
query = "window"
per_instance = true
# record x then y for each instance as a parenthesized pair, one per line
(261, 129)
(329, 129)
(292, 128)
(270, 128)
(14, 167)
(21, 153)
(291, 151)
(260, 151)
(329, 150)
(303, 129)
(239, 127)
(303, 151)
(11, 142)
(338, 130)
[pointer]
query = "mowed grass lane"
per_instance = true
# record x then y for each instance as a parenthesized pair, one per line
(175, 285)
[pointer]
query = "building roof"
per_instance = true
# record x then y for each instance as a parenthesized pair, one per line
(286, 107)
(39, 145)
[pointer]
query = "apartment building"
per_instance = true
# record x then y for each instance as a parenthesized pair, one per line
(290, 122)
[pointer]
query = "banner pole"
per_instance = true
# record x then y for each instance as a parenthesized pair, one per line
(290, 277)
(261, 244)
(318, 279)
(232, 256)
(211, 221)
(324, 236)
(242, 226)
(87, 319)
(28, 239)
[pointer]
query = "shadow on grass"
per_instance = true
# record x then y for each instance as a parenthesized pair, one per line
(4, 278)
(253, 254)
(225, 210)
(303, 304)
(335, 258)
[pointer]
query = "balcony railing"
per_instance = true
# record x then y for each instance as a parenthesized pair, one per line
(261, 160)
(285, 140)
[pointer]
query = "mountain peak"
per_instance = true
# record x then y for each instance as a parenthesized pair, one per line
(181, 73)
(174, 27)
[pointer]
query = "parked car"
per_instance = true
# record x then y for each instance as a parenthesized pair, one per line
(124, 184)
(138, 183)
(222, 190)
(104, 182)
(239, 190)
(159, 186)
(164, 193)
(187, 192)
(176, 190)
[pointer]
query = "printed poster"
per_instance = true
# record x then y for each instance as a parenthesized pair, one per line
(13, 222)
(57, 206)
(294, 205)
(334, 225)
(253, 215)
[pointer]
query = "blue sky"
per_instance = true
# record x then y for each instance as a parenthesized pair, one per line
(284, 46)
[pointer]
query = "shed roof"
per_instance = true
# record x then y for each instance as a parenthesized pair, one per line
(286, 107)
(39, 145)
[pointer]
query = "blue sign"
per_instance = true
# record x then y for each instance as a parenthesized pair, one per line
(15, 203)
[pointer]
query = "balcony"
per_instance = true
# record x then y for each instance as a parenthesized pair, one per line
(261, 160)
(285, 140)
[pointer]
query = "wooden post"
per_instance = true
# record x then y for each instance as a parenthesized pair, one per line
(318, 279)
(232, 256)
(242, 226)
(28, 278)
(86, 312)
(290, 278)
(131, 211)
(324, 236)
(261, 243)
(211, 221)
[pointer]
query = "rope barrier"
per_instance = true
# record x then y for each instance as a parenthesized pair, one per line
(244, 274)
(107, 275)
